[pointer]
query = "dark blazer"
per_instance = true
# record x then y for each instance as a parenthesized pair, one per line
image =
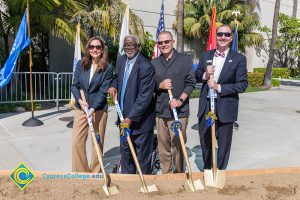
(95, 92)
(139, 101)
(233, 80)
(180, 70)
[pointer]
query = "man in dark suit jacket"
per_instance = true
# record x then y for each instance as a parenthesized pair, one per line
(134, 85)
(224, 71)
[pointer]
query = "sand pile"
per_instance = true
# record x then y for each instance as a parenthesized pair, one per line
(265, 186)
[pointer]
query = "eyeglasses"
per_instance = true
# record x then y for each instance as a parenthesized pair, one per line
(165, 41)
(130, 46)
(98, 47)
(227, 34)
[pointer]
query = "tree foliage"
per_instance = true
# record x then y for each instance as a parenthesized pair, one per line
(59, 18)
(197, 19)
(287, 50)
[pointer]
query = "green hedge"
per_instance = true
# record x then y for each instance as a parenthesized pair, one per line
(276, 72)
(255, 79)
(275, 83)
(195, 93)
(10, 107)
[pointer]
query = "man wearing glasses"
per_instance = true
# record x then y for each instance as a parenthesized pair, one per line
(173, 71)
(133, 86)
(224, 71)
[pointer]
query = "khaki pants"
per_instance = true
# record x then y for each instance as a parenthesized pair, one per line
(169, 146)
(80, 134)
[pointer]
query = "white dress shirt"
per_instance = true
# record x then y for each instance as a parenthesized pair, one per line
(91, 73)
(218, 62)
(131, 63)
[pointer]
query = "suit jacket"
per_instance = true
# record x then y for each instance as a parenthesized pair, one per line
(233, 80)
(180, 70)
(139, 101)
(95, 92)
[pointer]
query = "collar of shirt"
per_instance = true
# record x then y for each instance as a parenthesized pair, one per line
(170, 56)
(166, 61)
(218, 62)
(225, 53)
(131, 62)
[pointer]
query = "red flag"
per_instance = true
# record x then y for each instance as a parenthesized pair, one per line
(212, 40)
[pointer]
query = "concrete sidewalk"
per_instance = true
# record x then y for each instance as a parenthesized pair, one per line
(268, 136)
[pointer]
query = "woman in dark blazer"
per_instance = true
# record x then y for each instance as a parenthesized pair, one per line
(93, 75)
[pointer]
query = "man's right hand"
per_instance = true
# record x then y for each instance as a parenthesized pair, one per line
(210, 70)
(112, 92)
(166, 84)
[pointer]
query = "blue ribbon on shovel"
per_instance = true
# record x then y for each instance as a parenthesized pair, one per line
(176, 127)
(124, 131)
(210, 119)
(98, 138)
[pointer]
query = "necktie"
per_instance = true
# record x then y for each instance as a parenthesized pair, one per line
(220, 54)
(125, 78)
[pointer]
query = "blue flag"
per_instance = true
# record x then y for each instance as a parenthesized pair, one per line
(22, 41)
(235, 39)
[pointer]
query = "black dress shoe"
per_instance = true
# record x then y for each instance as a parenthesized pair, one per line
(236, 126)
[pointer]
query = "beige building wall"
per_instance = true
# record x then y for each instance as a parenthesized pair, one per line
(149, 12)
(266, 15)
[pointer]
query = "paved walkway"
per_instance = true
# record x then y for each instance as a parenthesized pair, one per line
(268, 136)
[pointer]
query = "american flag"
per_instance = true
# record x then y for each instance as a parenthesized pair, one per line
(160, 27)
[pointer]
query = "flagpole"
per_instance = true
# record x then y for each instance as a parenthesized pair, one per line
(31, 121)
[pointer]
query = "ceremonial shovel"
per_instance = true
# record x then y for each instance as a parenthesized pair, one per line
(109, 190)
(145, 188)
(197, 184)
(214, 177)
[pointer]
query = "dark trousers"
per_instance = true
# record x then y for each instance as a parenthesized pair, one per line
(223, 136)
(143, 145)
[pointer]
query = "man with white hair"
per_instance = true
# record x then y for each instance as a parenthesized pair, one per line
(133, 86)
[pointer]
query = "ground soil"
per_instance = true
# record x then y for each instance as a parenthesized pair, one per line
(265, 187)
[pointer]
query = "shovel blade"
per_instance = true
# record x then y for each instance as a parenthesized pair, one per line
(195, 185)
(110, 190)
(198, 185)
(151, 188)
(214, 180)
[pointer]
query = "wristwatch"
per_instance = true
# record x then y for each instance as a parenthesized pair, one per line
(181, 100)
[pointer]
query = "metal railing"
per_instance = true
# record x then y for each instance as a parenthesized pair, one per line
(47, 86)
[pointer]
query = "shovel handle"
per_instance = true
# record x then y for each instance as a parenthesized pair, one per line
(182, 141)
(213, 129)
(136, 162)
(98, 150)
(174, 109)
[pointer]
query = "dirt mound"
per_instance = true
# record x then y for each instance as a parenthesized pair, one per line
(265, 187)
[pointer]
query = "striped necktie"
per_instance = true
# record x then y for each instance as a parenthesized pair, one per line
(125, 78)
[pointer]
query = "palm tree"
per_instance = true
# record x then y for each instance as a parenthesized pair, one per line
(180, 25)
(198, 17)
(45, 16)
(104, 17)
(268, 75)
